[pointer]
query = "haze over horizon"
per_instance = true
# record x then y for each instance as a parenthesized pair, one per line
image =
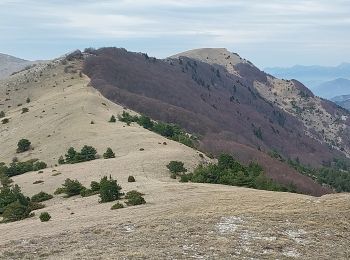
(279, 33)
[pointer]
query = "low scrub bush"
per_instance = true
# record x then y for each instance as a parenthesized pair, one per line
(176, 167)
(112, 119)
(118, 205)
(23, 145)
(88, 192)
(15, 211)
(41, 196)
(44, 217)
(131, 179)
(134, 198)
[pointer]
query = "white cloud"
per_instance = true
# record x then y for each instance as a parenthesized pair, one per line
(225, 23)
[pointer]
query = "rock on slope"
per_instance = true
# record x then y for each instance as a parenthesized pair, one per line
(179, 220)
(10, 64)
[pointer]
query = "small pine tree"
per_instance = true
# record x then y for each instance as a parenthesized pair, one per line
(109, 190)
(28, 100)
(70, 156)
(23, 145)
(61, 160)
(112, 119)
(109, 154)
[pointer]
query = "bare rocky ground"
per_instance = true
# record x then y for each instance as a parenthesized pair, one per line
(179, 220)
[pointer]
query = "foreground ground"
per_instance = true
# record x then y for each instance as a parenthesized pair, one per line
(186, 221)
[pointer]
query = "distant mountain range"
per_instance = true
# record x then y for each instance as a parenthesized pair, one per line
(10, 64)
(343, 101)
(326, 82)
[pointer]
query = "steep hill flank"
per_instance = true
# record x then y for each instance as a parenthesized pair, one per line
(10, 64)
(226, 110)
(61, 109)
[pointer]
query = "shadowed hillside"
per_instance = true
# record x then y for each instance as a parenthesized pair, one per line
(219, 102)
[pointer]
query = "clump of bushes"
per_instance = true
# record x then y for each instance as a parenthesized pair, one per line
(109, 153)
(87, 153)
(131, 178)
(44, 217)
(41, 196)
(134, 198)
(2, 114)
(23, 145)
(5, 121)
(17, 168)
(118, 205)
(171, 131)
(14, 205)
(228, 171)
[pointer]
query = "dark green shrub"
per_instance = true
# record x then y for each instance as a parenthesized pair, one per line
(117, 206)
(131, 179)
(112, 119)
(36, 205)
(61, 160)
(145, 121)
(23, 145)
(25, 110)
(59, 190)
(15, 211)
(5, 121)
(71, 155)
(39, 166)
(134, 198)
(88, 192)
(28, 100)
(2, 114)
(230, 172)
(41, 196)
(9, 195)
(109, 190)
(95, 186)
(87, 153)
(72, 187)
(176, 167)
(44, 216)
(109, 154)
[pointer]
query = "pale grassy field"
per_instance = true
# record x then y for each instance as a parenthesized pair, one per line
(179, 221)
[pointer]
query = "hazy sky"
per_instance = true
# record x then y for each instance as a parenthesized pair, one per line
(269, 33)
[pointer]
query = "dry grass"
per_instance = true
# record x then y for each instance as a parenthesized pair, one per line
(179, 221)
